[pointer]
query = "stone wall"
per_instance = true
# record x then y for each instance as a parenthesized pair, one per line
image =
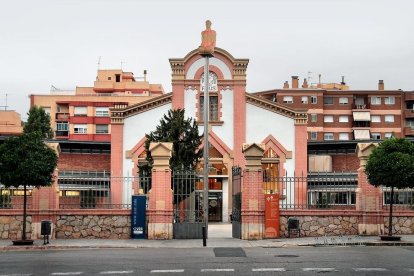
(314, 226)
(93, 227)
(11, 227)
(401, 225)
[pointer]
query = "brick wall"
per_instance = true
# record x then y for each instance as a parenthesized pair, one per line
(345, 162)
(84, 162)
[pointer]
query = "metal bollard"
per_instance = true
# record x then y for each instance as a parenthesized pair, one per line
(204, 236)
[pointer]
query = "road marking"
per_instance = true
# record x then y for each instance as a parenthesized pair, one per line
(117, 272)
(268, 269)
(217, 270)
(66, 273)
(167, 271)
(322, 269)
(16, 274)
(370, 269)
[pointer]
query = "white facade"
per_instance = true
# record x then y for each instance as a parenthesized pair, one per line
(261, 123)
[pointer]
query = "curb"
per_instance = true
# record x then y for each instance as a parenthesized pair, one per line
(69, 247)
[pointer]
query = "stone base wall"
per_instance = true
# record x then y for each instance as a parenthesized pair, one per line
(315, 226)
(401, 225)
(11, 227)
(93, 227)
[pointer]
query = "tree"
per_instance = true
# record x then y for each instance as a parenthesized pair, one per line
(183, 133)
(391, 164)
(27, 160)
(38, 121)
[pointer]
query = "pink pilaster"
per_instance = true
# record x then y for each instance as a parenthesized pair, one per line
(178, 95)
(301, 161)
(368, 197)
(117, 137)
(160, 210)
(253, 204)
(45, 199)
(239, 123)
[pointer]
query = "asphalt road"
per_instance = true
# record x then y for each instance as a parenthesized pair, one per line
(212, 261)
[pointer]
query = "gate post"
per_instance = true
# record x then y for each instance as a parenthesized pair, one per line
(160, 209)
(253, 203)
(368, 197)
(45, 200)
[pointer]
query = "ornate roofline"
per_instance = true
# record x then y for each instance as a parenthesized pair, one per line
(239, 64)
(300, 115)
(121, 111)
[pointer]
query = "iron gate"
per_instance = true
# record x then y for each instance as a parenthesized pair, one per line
(187, 204)
(236, 218)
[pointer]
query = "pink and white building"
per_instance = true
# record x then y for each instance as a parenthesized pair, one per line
(236, 118)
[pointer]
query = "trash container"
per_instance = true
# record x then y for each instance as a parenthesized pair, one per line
(46, 228)
(293, 226)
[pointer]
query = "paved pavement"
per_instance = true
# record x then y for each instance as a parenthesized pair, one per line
(219, 236)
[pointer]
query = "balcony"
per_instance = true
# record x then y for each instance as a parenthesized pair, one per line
(62, 134)
(409, 131)
(103, 86)
(361, 124)
(409, 96)
(62, 116)
(364, 106)
(409, 113)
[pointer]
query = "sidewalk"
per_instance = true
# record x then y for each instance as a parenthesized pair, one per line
(407, 240)
(219, 236)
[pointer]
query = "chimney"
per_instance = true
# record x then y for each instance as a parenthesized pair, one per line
(286, 85)
(295, 82)
(343, 80)
(319, 82)
(305, 83)
(381, 85)
(145, 75)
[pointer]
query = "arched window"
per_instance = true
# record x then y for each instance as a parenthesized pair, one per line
(213, 97)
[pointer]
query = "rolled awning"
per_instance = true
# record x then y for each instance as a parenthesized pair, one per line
(362, 134)
(362, 116)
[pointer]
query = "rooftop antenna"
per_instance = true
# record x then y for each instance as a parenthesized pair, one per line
(122, 63)
(99, 62)
(5, 106)
(309, 77)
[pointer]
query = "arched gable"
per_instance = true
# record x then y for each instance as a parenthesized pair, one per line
(281, 152)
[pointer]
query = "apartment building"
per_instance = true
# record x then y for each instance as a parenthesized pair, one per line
(10, 123)
(337, 113)
(83, 114)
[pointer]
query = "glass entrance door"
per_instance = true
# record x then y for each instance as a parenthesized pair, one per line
(215, 205)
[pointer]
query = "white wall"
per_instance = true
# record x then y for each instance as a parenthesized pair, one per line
(261, 123)
(190, 96)
(135, 128)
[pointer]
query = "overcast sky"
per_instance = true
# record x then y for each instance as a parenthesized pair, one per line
(44, 43)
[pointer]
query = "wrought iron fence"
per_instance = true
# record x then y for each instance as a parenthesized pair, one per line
(92, 190)
(316, 190)
(403, 199)
(84, 190)
(12, 198)
(188, 196)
